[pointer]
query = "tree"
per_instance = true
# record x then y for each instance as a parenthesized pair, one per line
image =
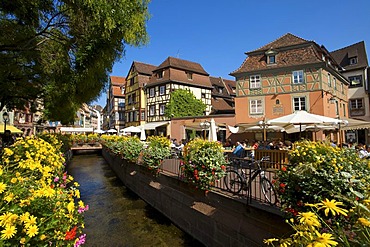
(61, 51)
(184, 104)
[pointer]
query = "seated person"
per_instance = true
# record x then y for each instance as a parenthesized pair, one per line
(239, 149)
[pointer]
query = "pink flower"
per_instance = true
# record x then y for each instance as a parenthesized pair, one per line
(81, 240)
(56, 179)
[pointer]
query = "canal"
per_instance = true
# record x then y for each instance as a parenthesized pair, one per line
(116, 216)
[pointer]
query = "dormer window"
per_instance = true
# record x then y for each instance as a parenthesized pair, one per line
(160, 74)
(189, 75)
(353, 60)
(220, 89)
(271, 59)
(271, 56)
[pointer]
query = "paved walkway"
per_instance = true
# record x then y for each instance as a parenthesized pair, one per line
(117, 217)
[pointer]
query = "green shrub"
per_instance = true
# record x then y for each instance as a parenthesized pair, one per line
(204, 163)
(158, 149)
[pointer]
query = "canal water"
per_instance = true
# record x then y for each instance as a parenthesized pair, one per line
(116, 216)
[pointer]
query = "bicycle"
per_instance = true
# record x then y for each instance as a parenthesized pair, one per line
(237, 179)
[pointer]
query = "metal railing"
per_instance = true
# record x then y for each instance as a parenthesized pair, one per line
(269, 168)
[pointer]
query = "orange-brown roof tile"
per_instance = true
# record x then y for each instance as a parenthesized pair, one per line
(183, 65)
(287, 39)
(285, 58)
(219, 104)
(175, 71)
(144, 68)
(117, 80)
(117, 90)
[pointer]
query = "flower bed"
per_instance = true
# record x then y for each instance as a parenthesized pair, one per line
(325, 191)
(204, 163)
(40, 203)
(158, 149)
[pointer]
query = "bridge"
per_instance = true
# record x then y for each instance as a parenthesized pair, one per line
(86, 147)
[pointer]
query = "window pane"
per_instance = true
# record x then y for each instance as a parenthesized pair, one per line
(271, 59)
(299, 103)
(255, 81)
(162, 90)
(298, 76)
(256, 107)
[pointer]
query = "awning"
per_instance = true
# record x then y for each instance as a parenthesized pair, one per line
(13, 129)
(153, 125)
(355, 124)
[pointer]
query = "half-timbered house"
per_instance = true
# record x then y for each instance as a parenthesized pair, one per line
(116, 103)
(137, 77)
(287, 75)
(172, 74)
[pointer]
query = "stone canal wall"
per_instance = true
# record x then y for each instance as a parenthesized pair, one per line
(213, 219)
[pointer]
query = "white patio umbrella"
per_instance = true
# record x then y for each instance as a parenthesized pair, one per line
(303, 118)
(112, 131)
(99, 131)
(131, 129)
(212, 131)
(142, 134)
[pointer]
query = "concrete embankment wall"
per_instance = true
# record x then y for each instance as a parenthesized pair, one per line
(213, 219)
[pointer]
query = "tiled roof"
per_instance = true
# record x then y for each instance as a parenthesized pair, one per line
(230, 85)
(285, 58)
(176, 71)
(182, 65)
(285, 40)
(117, 80)
(218, 82)
(144, 68)
(117, 90)
(219, 104)
(343, 55)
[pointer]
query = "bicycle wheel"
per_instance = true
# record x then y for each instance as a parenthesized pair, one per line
(233, 181)
(268, 190)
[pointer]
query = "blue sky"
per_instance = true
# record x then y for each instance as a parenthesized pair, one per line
(217, 33)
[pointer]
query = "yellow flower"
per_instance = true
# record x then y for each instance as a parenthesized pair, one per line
(22, 241)
(9, 197)
(8, 232)
(13, 180)
(309, 218)
(42, 237)
(24, 217)
(30, 221)
(364, 222)
(332, 206)
(8, 218)
(270, 241)
(2, 187)
(32, 231)
(324, 240)
(71, 207)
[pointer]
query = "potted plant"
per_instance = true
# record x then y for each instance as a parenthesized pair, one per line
(204, 163)
(158, 149)
(131, 148)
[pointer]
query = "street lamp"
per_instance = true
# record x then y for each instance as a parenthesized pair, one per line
(6, 119)
(204, 126)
